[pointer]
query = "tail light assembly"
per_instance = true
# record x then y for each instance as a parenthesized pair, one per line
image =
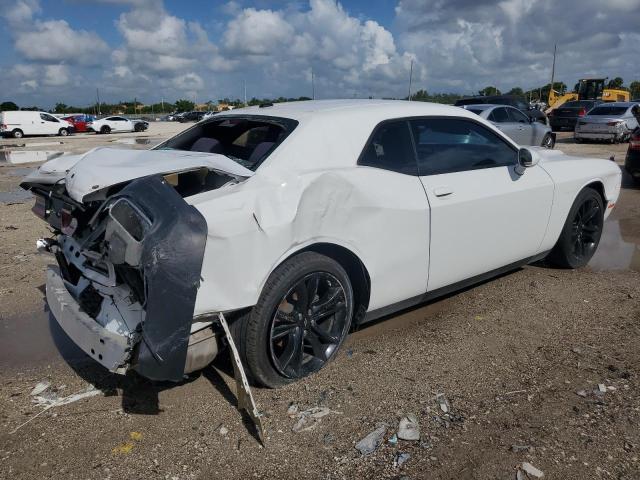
(582, 112)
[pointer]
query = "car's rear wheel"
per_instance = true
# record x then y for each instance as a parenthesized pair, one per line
(17, 133)
(302, 317)
(547, 141)
(138, 128)
(581, 233)
(105, 129)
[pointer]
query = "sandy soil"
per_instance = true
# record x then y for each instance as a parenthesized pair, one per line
(519, 360)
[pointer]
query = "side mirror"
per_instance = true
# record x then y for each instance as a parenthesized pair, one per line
(525, 160)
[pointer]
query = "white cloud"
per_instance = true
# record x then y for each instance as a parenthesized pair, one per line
(257, 32)
(56, 75)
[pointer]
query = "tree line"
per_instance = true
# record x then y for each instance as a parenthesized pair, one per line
(183, 105)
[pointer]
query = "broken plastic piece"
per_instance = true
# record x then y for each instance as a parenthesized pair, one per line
(243, 391)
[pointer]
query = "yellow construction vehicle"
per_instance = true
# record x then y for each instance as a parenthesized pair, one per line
(588, 89)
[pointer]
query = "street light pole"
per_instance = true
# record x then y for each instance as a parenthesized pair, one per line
(410, 79)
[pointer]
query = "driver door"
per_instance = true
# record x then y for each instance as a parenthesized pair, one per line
(484, 215)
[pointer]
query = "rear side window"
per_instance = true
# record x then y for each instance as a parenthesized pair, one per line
(448, 145)
(390, 148)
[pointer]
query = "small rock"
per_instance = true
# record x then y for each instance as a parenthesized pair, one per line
(408, 428)
(582, 393)
(40, 388)
(371, 442)
(602, 388)
(531, 470)
(223, 430)
(400, 459)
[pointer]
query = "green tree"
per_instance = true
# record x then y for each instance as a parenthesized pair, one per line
(617, 82)
(486, 91)
(516, 91)
(8, 106)
(183, 105)
(61, 108)
(634, 88)
(420, 96)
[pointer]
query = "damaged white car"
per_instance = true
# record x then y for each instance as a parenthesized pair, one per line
(299, 221)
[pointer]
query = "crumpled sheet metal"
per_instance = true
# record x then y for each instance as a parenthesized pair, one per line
(255, 225)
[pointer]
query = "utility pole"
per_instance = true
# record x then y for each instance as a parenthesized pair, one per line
(98, 98)
(245, 92)
(162, 103)
(553, 70)
(313, 85)
(410, 78)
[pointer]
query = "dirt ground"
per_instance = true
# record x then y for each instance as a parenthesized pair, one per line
(539, 366)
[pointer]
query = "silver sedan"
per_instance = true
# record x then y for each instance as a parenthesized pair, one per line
(612, 122)
(515, 124)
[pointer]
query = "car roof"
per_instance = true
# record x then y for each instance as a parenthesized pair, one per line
(376, 109)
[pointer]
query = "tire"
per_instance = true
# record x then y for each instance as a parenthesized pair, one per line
(137, 128)
(547, 141)
(63, 132)
(267, 335)
(105, 129)
(17, 133)
(581, 233)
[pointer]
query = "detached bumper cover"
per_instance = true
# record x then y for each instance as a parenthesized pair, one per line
(109, 349)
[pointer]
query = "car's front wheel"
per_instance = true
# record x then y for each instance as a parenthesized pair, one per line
(581, 233)
(105, 129)
(63, 132)
(547, 141)
(302, 317)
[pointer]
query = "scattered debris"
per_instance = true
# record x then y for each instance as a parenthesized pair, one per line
(309, 418)
(521, 448)
(602, 388)
(531, 470)
(582, 393)
(443, 402)
(137, 436)
(371, 442)
(400, 459)
(393, 440)
(292, 411)
(223, 430)
(127, 447)
(48, 398)
(408, 428)
(40, 387)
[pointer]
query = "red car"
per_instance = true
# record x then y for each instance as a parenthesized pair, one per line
(79, 122)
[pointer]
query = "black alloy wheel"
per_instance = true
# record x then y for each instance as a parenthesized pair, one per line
(586, 229)
(308, 325)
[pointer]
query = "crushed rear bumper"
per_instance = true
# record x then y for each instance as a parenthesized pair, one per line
(108, 348)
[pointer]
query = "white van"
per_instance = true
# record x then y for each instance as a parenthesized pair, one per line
(21, 123)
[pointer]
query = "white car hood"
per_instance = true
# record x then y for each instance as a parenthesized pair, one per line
(101, 168)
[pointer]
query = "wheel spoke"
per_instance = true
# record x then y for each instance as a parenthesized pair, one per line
(323, 335)
(319, 350)
(312, 291)
(591, 213)
(327, 305)
(282, 330)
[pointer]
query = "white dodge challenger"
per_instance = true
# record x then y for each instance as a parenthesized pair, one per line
(298, 221)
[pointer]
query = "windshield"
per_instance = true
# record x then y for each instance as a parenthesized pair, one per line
(475, 110)
(246, 139)
(616, 111)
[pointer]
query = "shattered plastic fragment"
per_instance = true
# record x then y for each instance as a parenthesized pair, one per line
(371, 442)
(531, 470)
(40, 387)
(408, 428)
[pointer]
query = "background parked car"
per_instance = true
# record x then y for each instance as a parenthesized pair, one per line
(21, 123)
(611, 122)
(566, 116)
(632, 160)
(191, 117)
(514, 123)
(111, 124)
(79, 122)
(512, 100)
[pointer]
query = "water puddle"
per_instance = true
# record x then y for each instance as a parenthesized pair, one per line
(13, 157)
(15, 196)
(32, 338)
(619, 247)
(134, 141)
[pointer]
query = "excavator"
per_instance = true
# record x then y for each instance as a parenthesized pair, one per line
(588, 89)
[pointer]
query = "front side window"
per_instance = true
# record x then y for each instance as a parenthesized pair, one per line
(499, 115)
(517, 116)
(448, 145)
(48, 118)
(390, 148)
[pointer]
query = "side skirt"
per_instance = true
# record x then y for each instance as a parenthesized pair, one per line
(440, 292)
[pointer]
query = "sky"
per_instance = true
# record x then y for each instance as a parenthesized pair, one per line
(63, 50)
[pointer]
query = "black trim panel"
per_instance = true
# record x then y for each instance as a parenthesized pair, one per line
(440, 292)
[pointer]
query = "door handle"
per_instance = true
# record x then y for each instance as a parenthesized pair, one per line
(442, 191)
